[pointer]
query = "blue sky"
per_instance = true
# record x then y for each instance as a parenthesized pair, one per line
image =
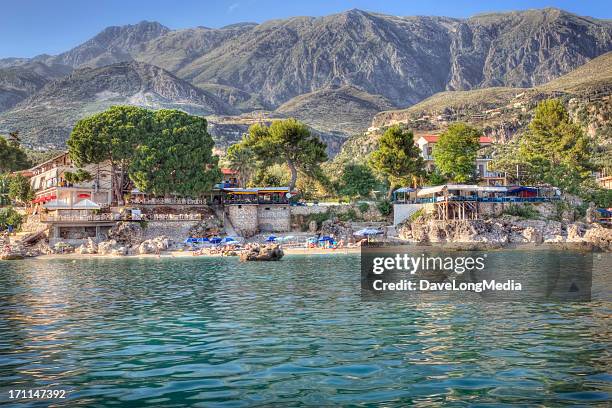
(32, 27)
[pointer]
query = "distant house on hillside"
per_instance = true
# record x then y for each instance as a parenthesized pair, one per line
(426, 144)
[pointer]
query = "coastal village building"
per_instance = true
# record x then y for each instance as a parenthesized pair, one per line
(53, 191)
(77, 211)
(426, 144)
(65, 207)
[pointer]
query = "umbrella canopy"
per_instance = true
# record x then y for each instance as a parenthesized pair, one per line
(86, 204)
(368, 231)
(326, 238)
(57, 204)
(227, 240)
(215, 240)
(196, 240)
(271, 238)
(311, 240)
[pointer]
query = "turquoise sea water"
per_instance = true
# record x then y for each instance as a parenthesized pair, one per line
(214, 332)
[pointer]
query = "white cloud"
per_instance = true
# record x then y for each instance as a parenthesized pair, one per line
(232, 7)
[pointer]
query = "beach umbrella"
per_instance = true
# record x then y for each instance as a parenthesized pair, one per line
(215, 240)
(326, 238)
(228, 240)
(56, 204)
(271, 238)
(288, 238)
(86, 204)
(311, 240)
(368, 231)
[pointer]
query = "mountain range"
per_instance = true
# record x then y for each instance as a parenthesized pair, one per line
(334, 72)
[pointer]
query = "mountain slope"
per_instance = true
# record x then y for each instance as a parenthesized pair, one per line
(19, 82)
(404, 59)
(261, 67)
(47, 116)
(346, 109)
(114, 44)
(595, 77)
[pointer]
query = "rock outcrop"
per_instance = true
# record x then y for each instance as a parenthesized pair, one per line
(336, 228)
(153, 246)
(498, 232)
(88, 248)
(262, 253)
(127, 233)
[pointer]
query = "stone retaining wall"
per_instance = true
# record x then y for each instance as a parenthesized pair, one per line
(274, 218)
(175, 230)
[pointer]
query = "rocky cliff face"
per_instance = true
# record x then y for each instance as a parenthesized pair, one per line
(47, 116)
(404, 59)
(112, 45)
(496, 233)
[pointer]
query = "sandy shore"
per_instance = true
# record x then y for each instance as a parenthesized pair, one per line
(321, 251)
(189, 254)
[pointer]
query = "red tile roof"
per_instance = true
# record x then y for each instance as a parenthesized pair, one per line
(228, 171)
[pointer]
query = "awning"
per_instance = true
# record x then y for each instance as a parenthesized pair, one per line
(404, 190)
(86, 205)
(430, 190)
(84, 195)
(522, 188)
(493, 189)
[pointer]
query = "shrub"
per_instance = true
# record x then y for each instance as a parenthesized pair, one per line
(526, 211)
(385, 207)
(363, 207)
(413, 217)
(349, 215)
(8, 216)
(318, 218)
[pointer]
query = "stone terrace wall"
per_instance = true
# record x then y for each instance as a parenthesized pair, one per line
(244, 219)
(175, 230)
(274, 218)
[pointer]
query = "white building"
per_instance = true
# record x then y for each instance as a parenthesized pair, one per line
(426, 144)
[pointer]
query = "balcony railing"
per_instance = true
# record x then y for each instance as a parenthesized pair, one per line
(117, 217)
(168, 201)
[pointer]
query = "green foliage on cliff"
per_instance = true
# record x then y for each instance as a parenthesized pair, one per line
(12, 156)
(357, 180)
(8, 216)
(19, 189)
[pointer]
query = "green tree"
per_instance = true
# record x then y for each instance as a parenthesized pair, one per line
(12, 156)
(176, 157)
(397, 158)
(113, 136)
(19, 189)
(275, 175)
(8, 216)
(290, 142)
(554, 149)
(241, 158)
(356, 180)
(455, 152)
(77, 177)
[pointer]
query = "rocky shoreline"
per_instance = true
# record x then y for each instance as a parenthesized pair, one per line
(507, 232)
